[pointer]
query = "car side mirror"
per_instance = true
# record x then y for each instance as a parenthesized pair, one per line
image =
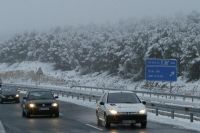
(143, 102)
(55, 97)
(101, 103)
(24, 98)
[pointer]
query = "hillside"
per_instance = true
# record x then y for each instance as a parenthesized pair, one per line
(119, 49)
(26, 73)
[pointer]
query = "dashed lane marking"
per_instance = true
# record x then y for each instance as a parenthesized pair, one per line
(94, 127)
(2, 130)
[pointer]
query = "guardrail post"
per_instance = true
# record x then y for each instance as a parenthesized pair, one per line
(156, 111)
(191, 117)
(172, 114)
(72, 96)
(78, 96)
(96, 100)
(192, 99)
(184, 98)
(89, 99)
(83, 98)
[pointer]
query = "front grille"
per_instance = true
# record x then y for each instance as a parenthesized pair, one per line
(128, 113)
(10, 96)
(43, 104)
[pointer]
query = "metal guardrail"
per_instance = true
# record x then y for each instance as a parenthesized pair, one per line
(171, 110)
(149, 93)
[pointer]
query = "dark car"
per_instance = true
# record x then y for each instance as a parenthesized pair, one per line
(8, 95)
(40, 102)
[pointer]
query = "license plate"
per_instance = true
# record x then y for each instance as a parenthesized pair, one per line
(44, 108)
(128, 121)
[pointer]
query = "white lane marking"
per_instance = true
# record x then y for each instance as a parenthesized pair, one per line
(94, 127)
(2, 130)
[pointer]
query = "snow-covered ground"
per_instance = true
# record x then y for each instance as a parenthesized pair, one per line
(96, 79)
(177, 122)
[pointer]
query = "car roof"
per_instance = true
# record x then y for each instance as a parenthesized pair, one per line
(38, 90)
(117, 91)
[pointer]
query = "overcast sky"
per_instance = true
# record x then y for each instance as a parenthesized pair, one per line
(26, 15)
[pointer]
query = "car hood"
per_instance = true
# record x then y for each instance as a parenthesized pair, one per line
(9, 93)
(42, 101)
(124, 107)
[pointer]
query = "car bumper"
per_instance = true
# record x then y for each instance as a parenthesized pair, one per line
(136, 118)
(40, 111)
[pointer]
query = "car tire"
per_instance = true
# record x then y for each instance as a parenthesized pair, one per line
(28, 115)
(56, 114)
(98, 121)
(1, 101)
(23, 113)
(143, 124)
(106, 123)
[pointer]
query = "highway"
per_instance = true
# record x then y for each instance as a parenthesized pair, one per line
(73, 119)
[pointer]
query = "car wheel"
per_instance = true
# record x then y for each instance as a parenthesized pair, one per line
(98, 121)
(106, 123)
(56, 114)
(1, 101)
(23, 113)
(143, 124)
(28, 115)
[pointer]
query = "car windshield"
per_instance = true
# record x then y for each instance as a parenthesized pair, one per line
(37, 95)
(122, 98)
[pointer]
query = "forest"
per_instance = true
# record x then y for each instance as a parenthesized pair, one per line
(118, 48)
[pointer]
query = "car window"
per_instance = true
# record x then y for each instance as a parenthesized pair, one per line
(40, 95)
(122, 98)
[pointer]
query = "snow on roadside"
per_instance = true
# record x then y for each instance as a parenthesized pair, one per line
(178, 122)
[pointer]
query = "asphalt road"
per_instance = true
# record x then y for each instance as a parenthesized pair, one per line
(73, 119)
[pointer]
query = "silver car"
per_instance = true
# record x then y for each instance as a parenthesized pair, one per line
(121, 107)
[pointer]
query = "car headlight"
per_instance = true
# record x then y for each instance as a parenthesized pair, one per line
(17, 95)
(142, 111)
(113, 112)
(54, 104)
(31, 105)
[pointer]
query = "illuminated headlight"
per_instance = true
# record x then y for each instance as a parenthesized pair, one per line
(54, 104)
(17, 95)
(31, 105)
(113, 112)
(142, 111)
